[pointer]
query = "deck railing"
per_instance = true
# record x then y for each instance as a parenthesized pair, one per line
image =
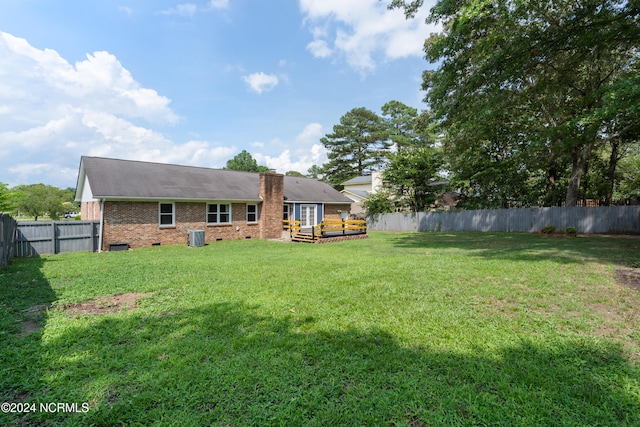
(327, 226)
(293, 225)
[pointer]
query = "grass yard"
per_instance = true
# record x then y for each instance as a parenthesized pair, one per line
(415, 329)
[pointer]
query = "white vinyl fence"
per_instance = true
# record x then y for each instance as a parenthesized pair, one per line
(609, 220)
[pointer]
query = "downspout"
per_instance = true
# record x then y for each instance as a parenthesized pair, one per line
(101, 225)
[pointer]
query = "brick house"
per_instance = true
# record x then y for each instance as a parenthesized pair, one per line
(143, 204)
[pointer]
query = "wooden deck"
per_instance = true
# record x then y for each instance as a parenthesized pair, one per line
(329, 230)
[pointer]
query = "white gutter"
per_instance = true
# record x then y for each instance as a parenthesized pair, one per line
(101, 225)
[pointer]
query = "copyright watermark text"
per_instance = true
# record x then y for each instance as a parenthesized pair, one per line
(50, 407)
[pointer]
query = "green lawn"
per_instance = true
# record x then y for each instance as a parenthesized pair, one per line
(415, 329)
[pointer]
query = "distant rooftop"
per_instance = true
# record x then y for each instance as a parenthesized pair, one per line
(358, 180)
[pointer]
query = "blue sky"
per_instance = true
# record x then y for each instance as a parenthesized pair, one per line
(193, 83)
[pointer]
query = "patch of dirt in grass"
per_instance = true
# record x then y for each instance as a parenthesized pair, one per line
(28, 327)
(611, 331)
(18, 396)
(106, 304)
(32, 322)
(628, 276)
(618, 323)
(493, 305)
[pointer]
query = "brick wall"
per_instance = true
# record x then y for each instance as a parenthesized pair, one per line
(272, 194)
(136, 224)
(90, 211)
(332, 211)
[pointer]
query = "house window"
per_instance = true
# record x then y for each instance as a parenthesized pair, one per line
(285, 213)
(167, 214)
(252, 213)
(218, 213)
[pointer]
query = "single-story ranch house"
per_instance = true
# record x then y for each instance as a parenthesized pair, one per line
(143, 204)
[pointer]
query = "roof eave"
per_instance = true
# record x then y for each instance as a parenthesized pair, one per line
(346, 202)
(172, 199)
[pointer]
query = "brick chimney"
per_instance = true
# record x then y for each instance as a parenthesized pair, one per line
(272, 195)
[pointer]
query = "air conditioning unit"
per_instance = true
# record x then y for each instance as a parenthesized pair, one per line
(196, 238)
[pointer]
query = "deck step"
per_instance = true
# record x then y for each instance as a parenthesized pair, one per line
(303, 237)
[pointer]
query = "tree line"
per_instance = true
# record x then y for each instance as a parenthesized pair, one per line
(37, 200)
(401, 141)
(533, 103)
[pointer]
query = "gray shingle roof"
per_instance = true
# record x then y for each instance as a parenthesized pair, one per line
(359, 193)
(358, 180)
(311, 190)
(129, 179)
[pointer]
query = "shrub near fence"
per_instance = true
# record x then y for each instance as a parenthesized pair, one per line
(7, 238)
(610, 220)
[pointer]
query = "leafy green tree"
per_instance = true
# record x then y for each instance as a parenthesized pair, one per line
(401, 123)
(406, 127)
(628, 186)
(621, 112)
(412, 176)
(357, 146)
(546, 77)
(244, 161)
(5, 199)
(40, 199)
(315, 172)
(379, 203)
(490, 172)
(295, 173)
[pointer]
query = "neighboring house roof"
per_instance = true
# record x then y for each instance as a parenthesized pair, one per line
(359, 188)
(356, 195)
(358, 180)
(129, 179)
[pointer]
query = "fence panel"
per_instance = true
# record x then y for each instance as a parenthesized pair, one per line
(7, 238)
(611, 220)
(54, 237)
(76, 236)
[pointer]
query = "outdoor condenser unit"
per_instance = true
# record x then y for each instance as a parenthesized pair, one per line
(196, 238)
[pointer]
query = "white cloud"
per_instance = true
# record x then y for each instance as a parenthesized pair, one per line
(284, 163)
(126, 10)
(189, 10)
(319, 49)
(99, 82)
(219, 4)
(364, 32)
(231, 68)
(199, 153)
(26, 168)
(310, 134)
(308, 152)
(186, 9)
(52, 112)
(261, 82)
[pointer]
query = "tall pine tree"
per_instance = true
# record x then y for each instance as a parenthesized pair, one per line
(357, 146)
